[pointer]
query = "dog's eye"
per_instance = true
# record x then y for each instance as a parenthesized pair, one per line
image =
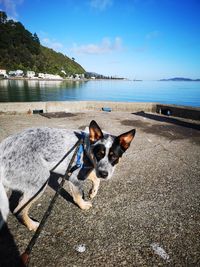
(100, 153)
(113, 156)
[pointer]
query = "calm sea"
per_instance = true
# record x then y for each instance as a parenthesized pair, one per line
(180, 93)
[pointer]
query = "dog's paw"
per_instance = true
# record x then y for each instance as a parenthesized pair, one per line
(33, 226)
(85, 205)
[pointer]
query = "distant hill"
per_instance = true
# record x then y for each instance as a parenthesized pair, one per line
(20, 49)
(96, 75)
(179, 79)
(100, 76)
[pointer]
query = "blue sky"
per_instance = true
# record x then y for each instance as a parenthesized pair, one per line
(140, 39)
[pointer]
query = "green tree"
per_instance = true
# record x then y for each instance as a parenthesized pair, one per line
(3, 17)
(35, 38)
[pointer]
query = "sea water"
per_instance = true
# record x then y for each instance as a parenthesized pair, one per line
(166, 92)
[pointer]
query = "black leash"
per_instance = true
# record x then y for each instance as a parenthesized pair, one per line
(26, 255)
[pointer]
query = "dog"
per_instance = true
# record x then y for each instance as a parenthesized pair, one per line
(27, 158)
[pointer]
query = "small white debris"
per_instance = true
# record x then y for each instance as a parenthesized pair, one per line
(149, 140)
(80, 248)
(160, 251)
(39, 204)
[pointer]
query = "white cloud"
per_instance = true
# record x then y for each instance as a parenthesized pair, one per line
(10, 7)
(106, 46)
(100, 4)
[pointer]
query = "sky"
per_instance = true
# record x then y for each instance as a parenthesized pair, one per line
(136, 39)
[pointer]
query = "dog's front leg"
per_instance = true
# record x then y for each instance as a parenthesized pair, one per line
(77, 194)
(95, 184)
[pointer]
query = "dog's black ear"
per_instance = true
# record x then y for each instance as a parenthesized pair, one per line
(95, 132)
(125, 139)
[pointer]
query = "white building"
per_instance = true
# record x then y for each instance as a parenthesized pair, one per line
(16, 73)
(48, 76)
(41, 75)
(3, 73)
(19, 73)
(52, 77)
(77, 77)
(30, 74)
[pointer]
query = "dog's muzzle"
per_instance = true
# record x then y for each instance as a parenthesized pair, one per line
(103, 174)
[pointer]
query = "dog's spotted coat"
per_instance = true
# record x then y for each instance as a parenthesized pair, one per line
(26, 159)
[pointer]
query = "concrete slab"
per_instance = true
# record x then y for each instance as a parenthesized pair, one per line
(148, 214)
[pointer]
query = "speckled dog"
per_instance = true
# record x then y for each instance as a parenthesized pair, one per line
(27, 158)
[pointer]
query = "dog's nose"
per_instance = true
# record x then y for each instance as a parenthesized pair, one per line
(103, 174)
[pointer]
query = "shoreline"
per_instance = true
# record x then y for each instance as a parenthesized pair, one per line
(39, 79)
(66, 79)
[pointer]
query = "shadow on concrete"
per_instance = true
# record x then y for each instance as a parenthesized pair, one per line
(9, 253)
(166, 127)
(168, 120)
(57, 115)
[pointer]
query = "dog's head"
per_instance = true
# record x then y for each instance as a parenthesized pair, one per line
(106, 150)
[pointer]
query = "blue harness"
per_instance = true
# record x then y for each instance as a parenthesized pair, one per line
(79, 156)
(79, 162)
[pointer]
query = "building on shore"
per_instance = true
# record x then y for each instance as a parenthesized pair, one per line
(48, 76)
(3, 73)
(41, 75)
(52, 77)
(16, 73)
(30, 74)
(12, 74)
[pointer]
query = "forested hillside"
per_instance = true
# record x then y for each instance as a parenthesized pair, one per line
(20, 49)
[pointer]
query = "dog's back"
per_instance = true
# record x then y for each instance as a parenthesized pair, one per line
(26, 159)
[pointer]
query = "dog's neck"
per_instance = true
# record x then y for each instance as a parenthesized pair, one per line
(87, 148)
(87, 163)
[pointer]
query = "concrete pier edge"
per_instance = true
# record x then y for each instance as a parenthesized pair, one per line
(78, 106)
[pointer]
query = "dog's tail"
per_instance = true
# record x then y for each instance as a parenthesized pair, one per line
(4, 206)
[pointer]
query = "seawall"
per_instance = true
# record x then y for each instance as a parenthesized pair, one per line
(78, 106)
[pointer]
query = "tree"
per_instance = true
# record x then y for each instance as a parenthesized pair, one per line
(3, 17)
(35, 38)
(73, 58)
